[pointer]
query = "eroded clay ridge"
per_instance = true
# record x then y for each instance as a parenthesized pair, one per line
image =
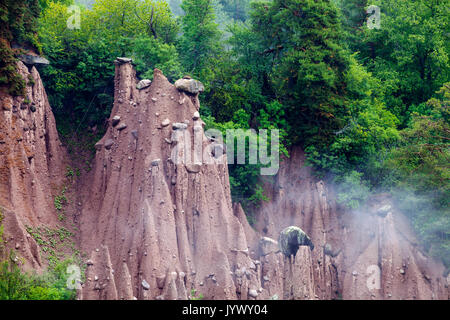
(32, 164)
(156, 229)
(351, 248)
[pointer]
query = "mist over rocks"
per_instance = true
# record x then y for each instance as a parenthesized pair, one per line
(371, 253)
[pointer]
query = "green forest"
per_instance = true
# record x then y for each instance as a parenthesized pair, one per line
(368, 105)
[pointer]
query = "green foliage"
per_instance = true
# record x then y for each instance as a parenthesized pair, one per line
(200, 41)
(360, 102)
(81, 69)
(19, 24)
(130, 18)
(2, 232)
(236, 9)
(175, 7)
(30, 80)
(431, 222)
(353, 18)
(309, 62)
(352, 191)
(258, 196)
(296, 76)
(422, 159)
(421, 174)
(72, 173)
(69, 172)
(46, 236)
(80, 78)
(54, 243)
(60, 199)
(150, 53)
(244, 179)
(238, 96)
(245, 184)
(194, 296)
(45, 3)
(8, 73)
(16, 285)
(363, 143)
(409, 53)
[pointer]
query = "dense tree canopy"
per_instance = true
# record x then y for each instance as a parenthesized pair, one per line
(409, 53)
(80, 77)
(18, 27)
(200, 41)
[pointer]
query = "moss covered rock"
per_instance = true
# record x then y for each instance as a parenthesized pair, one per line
(291, 238)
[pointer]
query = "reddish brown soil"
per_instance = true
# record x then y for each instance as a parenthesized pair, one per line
(32, 166)
(164, 224)
(359, 241)
(154, 229)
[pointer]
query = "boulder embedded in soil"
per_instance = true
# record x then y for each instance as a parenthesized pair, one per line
(145, 285)
(121, 127)
(189, 85)
(109, 143)
(253, 293)
(196, 115)
(115, 121)
(165, 122)
(31, 60)
(179, 126)
(384, 210)
(143, 84)
(155, 162)
(291, 238)
(122, 60)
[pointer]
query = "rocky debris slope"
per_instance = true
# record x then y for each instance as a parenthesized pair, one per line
(351, 248)
(297, 199)
(385, 261)
(154, 227)
(32, 165)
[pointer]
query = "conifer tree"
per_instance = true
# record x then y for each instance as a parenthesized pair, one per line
(200, 41)
(304, 39)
